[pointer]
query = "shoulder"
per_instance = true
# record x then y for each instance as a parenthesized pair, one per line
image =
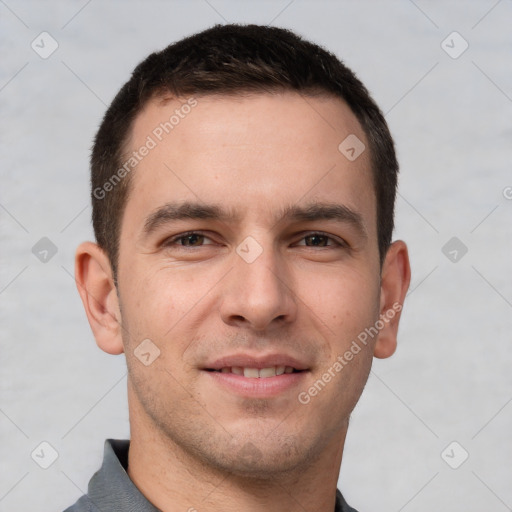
(341, 504)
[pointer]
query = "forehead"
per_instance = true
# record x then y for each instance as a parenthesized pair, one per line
(251, 153)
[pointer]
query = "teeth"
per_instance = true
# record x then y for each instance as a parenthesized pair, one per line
(268, 372)
(254, 373)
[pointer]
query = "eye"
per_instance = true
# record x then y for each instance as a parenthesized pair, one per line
(196, 239)
(190, 239)
(319, 239)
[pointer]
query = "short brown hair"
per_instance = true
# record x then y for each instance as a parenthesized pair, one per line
(228, 60)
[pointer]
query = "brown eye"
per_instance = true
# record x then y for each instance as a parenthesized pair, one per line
(192, 239)
(320, 240)
(317, 240)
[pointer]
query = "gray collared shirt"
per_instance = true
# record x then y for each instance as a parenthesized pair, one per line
(111, 490)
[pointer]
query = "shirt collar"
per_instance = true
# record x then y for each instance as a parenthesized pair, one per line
(111, 489)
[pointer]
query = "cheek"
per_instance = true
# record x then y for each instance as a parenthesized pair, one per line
(163, 305)
(150, 290)
(345, 299)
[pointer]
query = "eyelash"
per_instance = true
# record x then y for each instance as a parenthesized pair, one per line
(173, 240)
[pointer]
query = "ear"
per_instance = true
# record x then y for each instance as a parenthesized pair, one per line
(94, 280)
(395, 279)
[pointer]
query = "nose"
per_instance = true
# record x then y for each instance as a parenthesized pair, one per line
(257, 294)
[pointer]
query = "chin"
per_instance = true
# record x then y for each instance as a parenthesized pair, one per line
(263, 457)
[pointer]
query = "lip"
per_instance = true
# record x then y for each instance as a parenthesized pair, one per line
(257, 387)
(246, 360)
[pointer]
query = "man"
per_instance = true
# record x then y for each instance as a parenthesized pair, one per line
(243, 186)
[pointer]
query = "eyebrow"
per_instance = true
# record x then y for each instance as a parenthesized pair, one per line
(189, 210)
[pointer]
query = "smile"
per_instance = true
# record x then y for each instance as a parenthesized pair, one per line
(252, 382)
(257, 373)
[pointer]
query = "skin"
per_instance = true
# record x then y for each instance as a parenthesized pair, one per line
(303, 295)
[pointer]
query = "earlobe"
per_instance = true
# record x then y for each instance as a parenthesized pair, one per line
(395, 279)
(93, 276)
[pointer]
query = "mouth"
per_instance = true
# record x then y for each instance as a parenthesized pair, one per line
(256, 373)
(251, 376)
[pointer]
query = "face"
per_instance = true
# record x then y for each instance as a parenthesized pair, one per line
(248, 247)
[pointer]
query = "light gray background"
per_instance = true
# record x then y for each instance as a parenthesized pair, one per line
(450, 379)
